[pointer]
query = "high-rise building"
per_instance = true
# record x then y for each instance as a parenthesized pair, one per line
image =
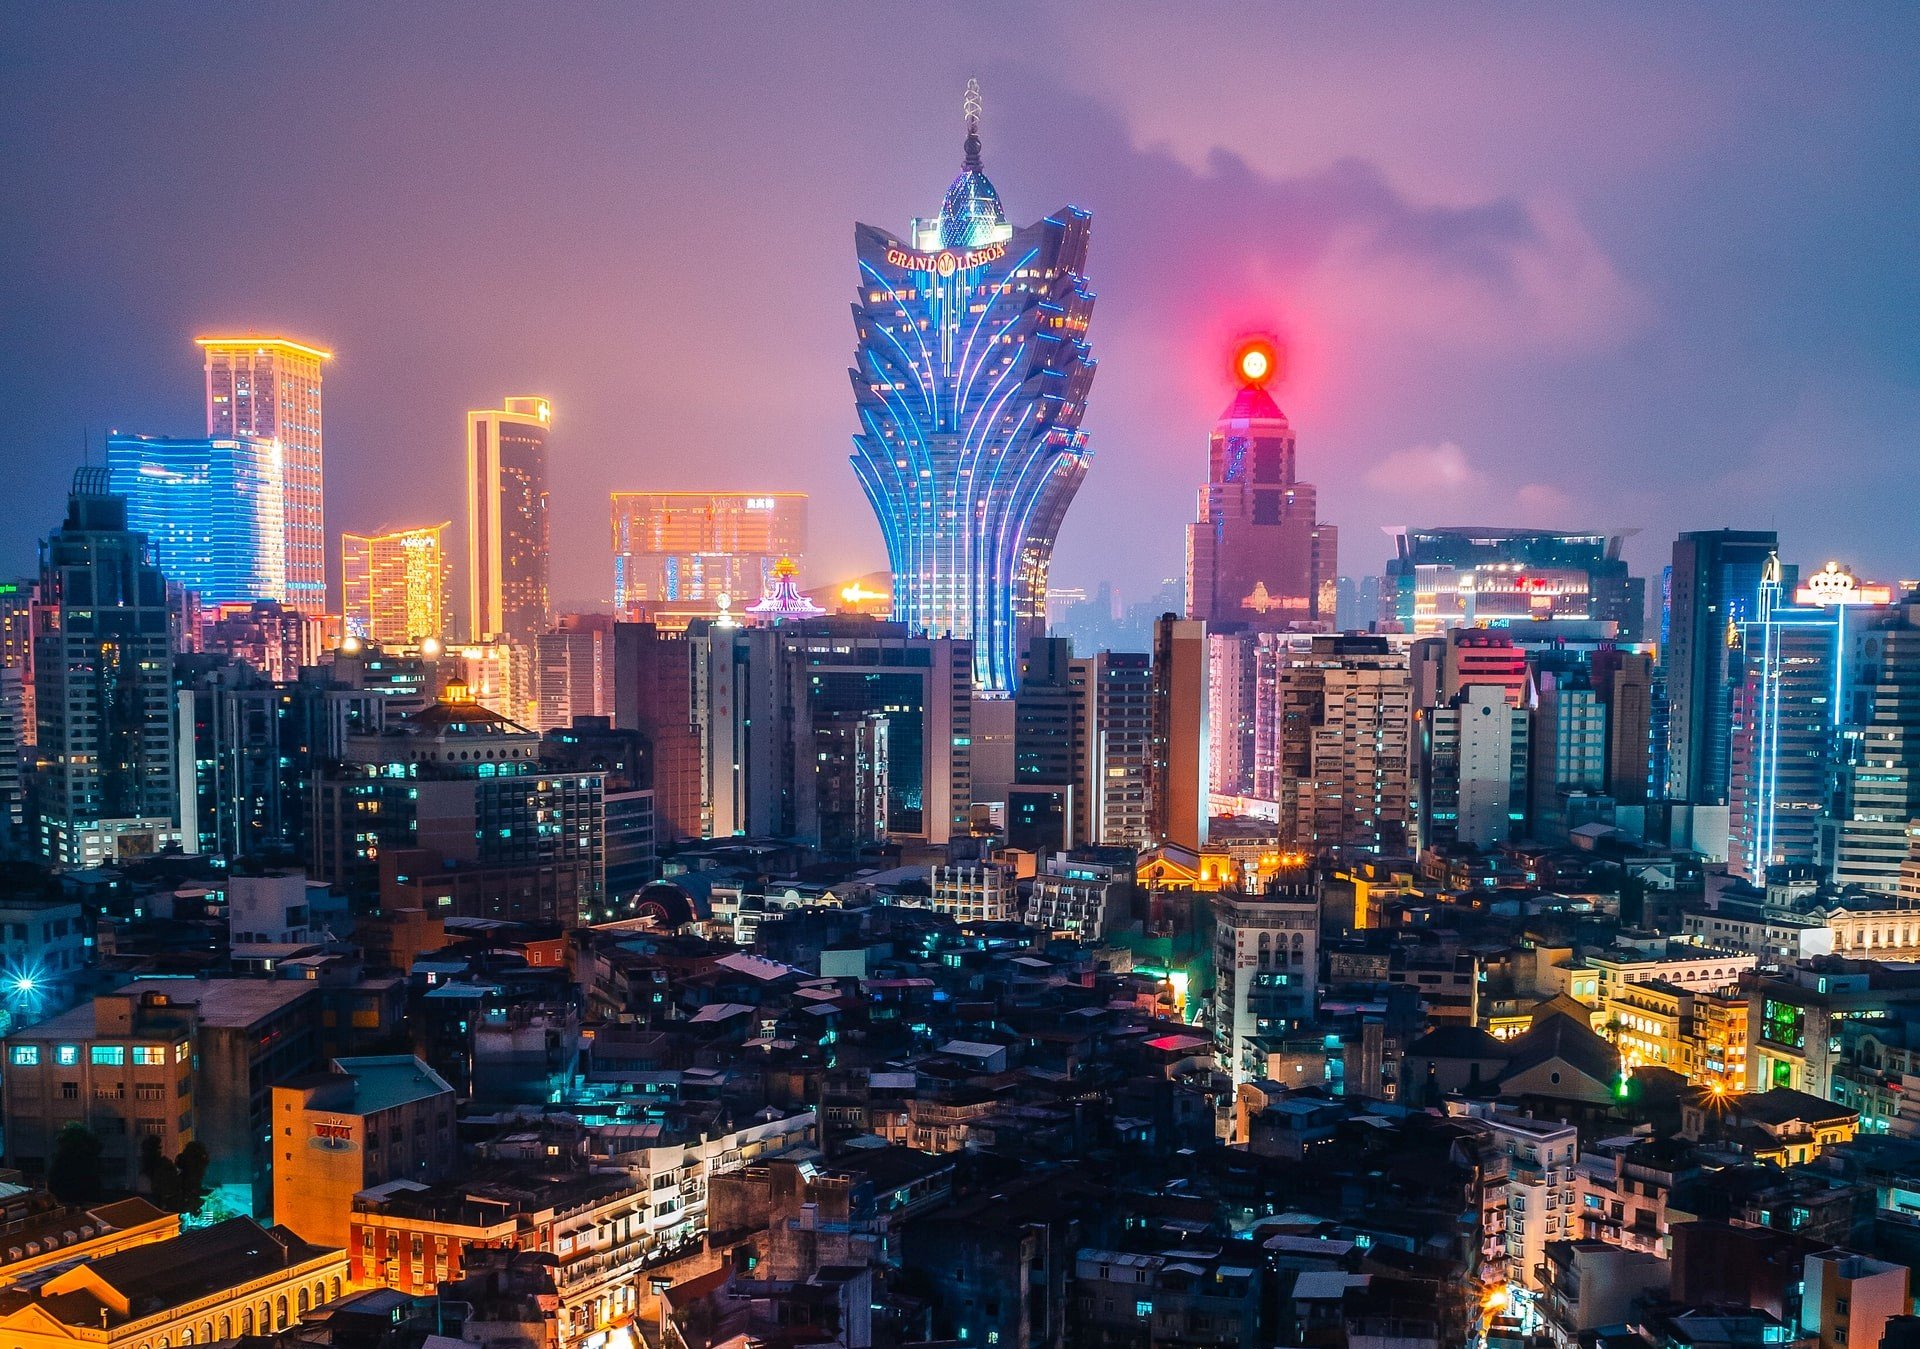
(1781, 732)
(1233, 660)
(269, 387)
(1180, 775)
(654, 695)
(17, 599)
(467, 782)
(1866, 840)
(1444, 667)
(761, 696)
(573, 671)
(211, 509)
(1258, 555)
(396, 586)
(1714, 587)
(106, 773)
(1048, 719)
(1345, 751)
(1467, 575)
(1568, 773)
(1116, 745)
(970, 378)
(508, 529)
(1473, 769)
(676, 553)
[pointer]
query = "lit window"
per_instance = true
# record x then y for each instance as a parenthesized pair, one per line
(26, 1056)
(108, 1055)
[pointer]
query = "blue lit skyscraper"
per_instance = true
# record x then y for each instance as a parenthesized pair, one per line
(971, 377)
(213, 510)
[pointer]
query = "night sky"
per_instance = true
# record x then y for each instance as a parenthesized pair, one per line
(1532, 264)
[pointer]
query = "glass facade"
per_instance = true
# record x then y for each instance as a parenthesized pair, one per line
(212, 509)
(970, 379)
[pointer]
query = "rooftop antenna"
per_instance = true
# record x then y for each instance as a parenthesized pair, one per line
(971, 107)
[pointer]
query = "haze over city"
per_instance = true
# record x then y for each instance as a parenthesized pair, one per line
(1631, 270)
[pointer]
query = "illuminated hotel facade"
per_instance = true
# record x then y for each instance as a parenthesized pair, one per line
(396, 586)
(1472, 575)
(269, 387)
(508, 529)
(679, 552)
(1257, 557)
(210, 508)
(970, 379)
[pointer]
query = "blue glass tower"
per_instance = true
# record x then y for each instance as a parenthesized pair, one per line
(213, 510)
(970, 378)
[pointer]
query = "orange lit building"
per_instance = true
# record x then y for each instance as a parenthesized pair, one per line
(676, 554)
(363, 1122)
(396, 586)
(270, 387)
(509, 534)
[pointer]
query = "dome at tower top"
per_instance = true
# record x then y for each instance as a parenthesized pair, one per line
(971, 215)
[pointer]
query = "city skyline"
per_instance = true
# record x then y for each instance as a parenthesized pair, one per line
(1556, 359)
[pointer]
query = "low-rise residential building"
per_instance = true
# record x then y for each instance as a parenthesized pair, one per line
(178, 1059)
(591, 1221)
(1700, 1034)
(973, 892)
(1541, 1186)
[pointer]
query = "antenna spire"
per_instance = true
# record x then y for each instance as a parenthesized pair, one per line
(971, 107)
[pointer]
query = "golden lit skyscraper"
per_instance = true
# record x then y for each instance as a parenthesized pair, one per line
(507, 527)
(684, 550)
(270, 387)
(396, 587)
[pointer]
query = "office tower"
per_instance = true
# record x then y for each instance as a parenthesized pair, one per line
(923, 685)
(106, 773)
(1568, 772)
(1044, 795)
(1876, 799)
(1781, 731)
(1473, 769)
(1180, 774)
(1232, 685)
(1345, 745)
(1116, 744)
(573, 666)
(1257, 554)
(676, 553)
(970, 378)
(473, 786)
(761, 693)
(1713, 588)
(211, 509)
(508, 530)
(396, 586)
(269, 388)
(654, 689)
(1266, 970)
(1458, 577)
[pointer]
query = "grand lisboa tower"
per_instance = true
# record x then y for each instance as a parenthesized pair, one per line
(971, 377)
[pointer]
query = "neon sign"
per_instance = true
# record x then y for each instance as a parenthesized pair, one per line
(946, 262)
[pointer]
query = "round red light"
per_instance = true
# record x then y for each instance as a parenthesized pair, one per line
(1254, 362)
